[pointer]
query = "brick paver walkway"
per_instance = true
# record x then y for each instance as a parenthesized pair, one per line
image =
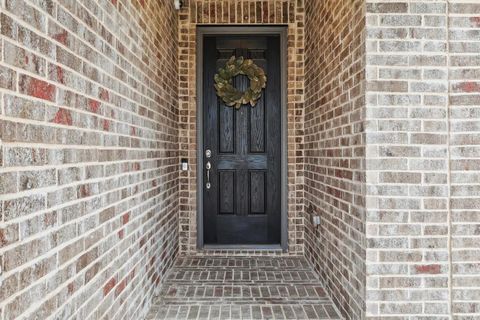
(242, 288)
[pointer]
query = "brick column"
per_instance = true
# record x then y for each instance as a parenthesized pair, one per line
(423, 98)
(464, 41)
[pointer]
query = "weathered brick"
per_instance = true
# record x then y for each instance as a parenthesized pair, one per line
(391, 7)
(18, 156)
(422, 7)
(9, 287)
(37, 224)
(387, 86)
(36, 88)
(464, 8)
(109, 286)
(32, 40)
(21, 58)
(36, 179)
(9, 235)
(401, 177)
(62, 116)
(7, 78)
(8, 182)
(23, 206)
(27, 13)
(401, 20)
(18, 107)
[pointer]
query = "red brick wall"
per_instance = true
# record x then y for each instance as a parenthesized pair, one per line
(89, 156)
(335, 148)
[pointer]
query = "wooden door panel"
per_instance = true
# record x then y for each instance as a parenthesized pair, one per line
(257, 124)
(241, 229)
(226, 129)
(257, 192)
(226, 192)
(243, 204)
(257, 128)
(242, 193)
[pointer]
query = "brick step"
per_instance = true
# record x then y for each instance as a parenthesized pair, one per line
(252, 311)
(244, 292)
(236, 277)
(259, 263)
(242, 288)
(242, 301)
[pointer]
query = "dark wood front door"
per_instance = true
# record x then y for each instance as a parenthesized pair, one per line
(242, 205)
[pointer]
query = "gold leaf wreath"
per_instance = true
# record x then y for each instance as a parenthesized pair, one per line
(224, 82)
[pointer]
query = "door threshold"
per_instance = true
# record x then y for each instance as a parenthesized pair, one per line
(262, 247)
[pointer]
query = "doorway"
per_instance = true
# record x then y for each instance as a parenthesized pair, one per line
(242, 151)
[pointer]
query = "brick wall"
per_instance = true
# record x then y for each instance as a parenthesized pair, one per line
(246, 12)
(384, 148)
(335, 148)
(407, 159)
(464, 144)
(423, 99)
(89, 156)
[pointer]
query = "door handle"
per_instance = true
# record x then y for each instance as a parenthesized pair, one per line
(208, 166)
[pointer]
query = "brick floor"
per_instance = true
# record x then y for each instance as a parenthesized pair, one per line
(242, 288)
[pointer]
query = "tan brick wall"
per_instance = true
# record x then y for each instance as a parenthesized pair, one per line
(204, 12)
(407, 160)
(335, 148)
(89, 156)
(423, 100)
(464, 145)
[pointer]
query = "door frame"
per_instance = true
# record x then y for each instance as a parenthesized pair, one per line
(202, 31)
